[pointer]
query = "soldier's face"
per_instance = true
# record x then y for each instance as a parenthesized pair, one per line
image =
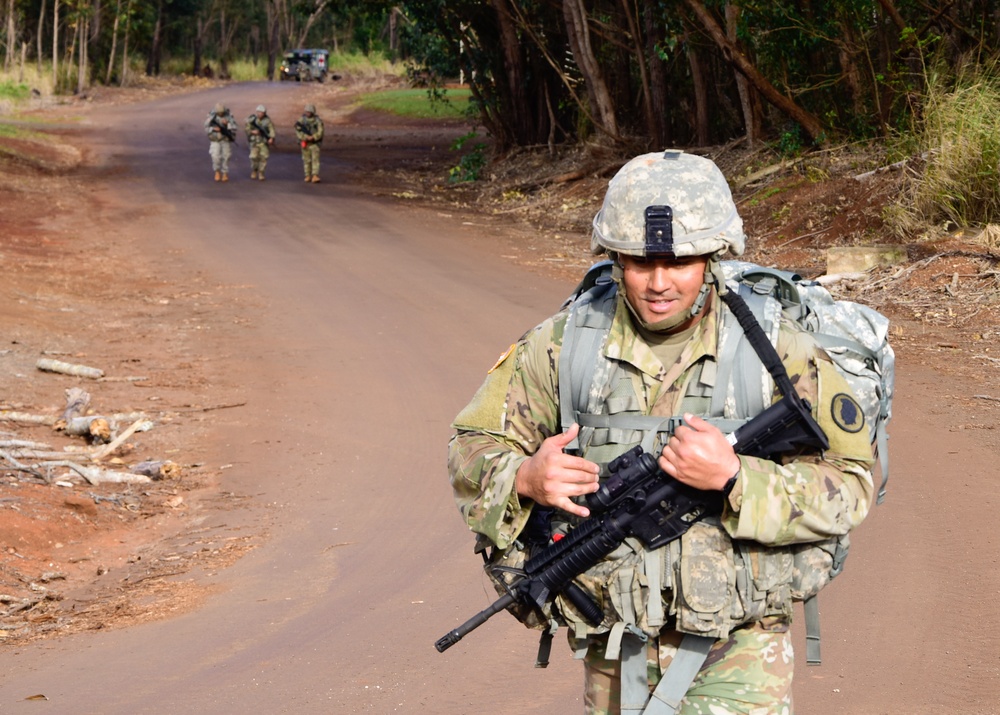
(659, 288)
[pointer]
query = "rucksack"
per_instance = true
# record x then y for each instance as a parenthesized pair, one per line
(855, 336)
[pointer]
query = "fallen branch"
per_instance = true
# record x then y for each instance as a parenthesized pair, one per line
(27, 418)
(15, 464)
(23, 444)
(987, 397)
(96, 475)
(50, 365)
(137, 426)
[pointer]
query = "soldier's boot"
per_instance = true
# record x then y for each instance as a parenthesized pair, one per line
(315, 179)
(308, 179)
(225, 177)
(260, 175)
(253, 174)
(218, 176)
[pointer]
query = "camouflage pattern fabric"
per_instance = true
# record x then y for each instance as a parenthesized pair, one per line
(220, 153)
(310, 137)
(260, 150)
(705, 220)
(729, 571)
(220, 147)
(749, 673)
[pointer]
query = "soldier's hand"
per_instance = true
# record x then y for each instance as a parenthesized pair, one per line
(699, 455)
(550, 477)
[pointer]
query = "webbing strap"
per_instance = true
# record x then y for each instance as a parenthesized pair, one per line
(882, 450)
(681, 672)
(810, 608)
(586, 327)
(736, 363)
(634, 674)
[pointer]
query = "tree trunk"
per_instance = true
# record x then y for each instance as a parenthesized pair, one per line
(11, 44)
(55, 46)
(38, 41)
(273, 40)
(743, 88)
(81, 63)
(631, 12)
(128, 25)
(578, 32)
(812, 125)
(658, 82)
(155, 48)
(114, 42)
(700, 93)
(514, 94)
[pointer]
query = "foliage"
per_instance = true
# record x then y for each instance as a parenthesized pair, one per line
(957, 136)
(470, 164)
(16, 91)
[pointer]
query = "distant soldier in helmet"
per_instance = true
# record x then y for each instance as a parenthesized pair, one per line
(309, 132)
(221, 129)
(651, 340)
(260, 133)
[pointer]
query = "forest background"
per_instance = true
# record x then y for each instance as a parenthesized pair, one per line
(909, 82)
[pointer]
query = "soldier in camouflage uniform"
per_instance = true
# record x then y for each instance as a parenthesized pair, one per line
(730, 579)
(221, 129)
(309, 132)
(260, 133)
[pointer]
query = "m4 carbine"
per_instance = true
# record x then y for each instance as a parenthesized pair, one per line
(638, 499)
(227, 131)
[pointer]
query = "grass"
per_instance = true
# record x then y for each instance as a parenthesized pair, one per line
(448, 104)
(957, 134)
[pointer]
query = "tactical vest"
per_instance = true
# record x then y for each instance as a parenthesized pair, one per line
(709, 583)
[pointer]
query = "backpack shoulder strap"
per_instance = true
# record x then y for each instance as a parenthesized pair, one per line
(591, 310)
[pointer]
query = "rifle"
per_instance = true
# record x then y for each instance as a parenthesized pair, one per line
(640, 500)
(228, 132)
(256, 125)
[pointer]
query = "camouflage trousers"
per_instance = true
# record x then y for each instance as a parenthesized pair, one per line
(259, 153)
(220, 152)
(310, 160)
(750, 673)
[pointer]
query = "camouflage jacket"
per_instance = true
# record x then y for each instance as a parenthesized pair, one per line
(214, 123)
(311, 127)
(808, 498)
(264, 132)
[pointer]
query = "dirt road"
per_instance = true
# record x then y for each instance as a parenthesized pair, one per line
(349, 330)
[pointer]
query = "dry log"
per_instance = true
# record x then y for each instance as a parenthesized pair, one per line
(96, 475)
(95, 427)
(77, 402)
(51, 365)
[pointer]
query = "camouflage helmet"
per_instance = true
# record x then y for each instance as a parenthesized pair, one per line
(310, 109)
(261, 108)
(220, 108)
(669, 204)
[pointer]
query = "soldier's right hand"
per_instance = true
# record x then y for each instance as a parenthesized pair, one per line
(550, 476)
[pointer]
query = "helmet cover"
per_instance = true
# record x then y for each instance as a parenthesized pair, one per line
(669, 204)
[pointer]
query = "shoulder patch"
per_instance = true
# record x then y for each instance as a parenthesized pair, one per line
(846, 413)
(503, 357)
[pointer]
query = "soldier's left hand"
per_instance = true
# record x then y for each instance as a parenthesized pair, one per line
(699, 455)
